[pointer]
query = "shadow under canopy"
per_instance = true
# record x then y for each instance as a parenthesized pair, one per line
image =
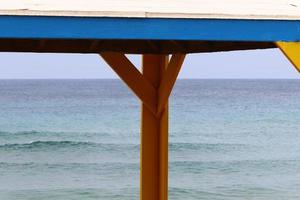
(125, 46)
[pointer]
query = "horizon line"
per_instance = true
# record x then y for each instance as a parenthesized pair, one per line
(177, 79)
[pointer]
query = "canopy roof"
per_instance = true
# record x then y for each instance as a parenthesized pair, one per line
(152, 26)
(220, 9)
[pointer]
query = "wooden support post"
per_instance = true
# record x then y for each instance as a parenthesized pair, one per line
(292, 51)
(153, 87)
(154, 137)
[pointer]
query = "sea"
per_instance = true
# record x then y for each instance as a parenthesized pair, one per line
(79, 140)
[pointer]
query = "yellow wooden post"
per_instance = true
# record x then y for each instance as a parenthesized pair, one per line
(153, 87)
(154, 137)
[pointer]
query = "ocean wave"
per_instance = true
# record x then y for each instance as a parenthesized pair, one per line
(50, 145)
(24, 137)
(207, 146)
(55, 144)
(236, 163)
(75, 168)
(67, 164)
(18, 133)
(52, 133)
(67, 143)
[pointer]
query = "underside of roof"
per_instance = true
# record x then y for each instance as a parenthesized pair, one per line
(126, 46)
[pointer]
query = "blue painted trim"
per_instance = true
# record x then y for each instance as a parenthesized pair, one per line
(156, 29)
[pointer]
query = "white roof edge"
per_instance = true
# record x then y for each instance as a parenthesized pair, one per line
(144, 15)
(198, 9)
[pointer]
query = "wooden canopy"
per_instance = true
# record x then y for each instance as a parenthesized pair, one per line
(143, 26)
(155, 29)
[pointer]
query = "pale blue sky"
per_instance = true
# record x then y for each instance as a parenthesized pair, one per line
(241, 64)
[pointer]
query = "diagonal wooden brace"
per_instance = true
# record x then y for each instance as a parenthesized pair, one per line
(133, 78)
(144, 90)
(292, 51)
(168, 80)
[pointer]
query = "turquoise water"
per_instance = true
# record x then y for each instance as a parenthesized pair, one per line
(79, 139)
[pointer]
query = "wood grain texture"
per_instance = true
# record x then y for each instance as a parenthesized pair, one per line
(216, 9)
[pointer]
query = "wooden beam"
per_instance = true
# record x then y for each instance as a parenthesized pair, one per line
(292, 51)
(154, 137)
(125, 46)
(168, 80)
(133, 79)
